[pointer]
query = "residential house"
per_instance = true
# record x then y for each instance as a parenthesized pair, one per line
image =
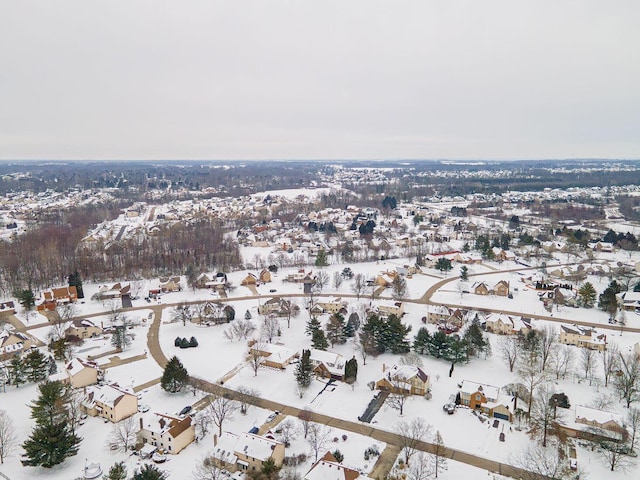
(246, 451)
(82, 328)
(385, 279)
(250, 279)
(278, 307)
(57, 296)
(117, 290)
(171, 284)
(170, 433)
(110, 402)
(501, 288)
(480, 288)
(327, 364)
(275, 356)
(14, 342)
(331, 305)
(592, 424)
(437, 313)
(79, 373)
(328, 468)
(264, 276)
(502, 324)
(630, 300)
(584, 337)
(386, 309)
(404, 378)
(487, 399)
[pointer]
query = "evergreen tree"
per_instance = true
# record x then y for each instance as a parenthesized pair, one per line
(335, 329)
(269, 468)
(52, 440)
(457, 351)
(16, 371)
(474, 339)
(312, 325)
(304, 370)
(118, 471)
(439, 345)
(36, 366)
(76, 281)
(119, 337)
(149, 472)
(395, 335)
(421, 341)
(26, 298)
(587, 295)
(174, 377)
(193, 342)
(321, 258)
(319, 340)
(607, 300)
(464, 273)
(374, 327)
(53, 367)
(353, 324)
(229, 313)
(443, 264)
(247, 315)
(351, 370)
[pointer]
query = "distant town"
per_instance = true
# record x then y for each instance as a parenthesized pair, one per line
(319, 319)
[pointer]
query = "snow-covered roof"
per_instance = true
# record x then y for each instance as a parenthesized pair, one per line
(468, 387)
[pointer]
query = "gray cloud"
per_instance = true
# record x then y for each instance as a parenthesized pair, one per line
(330, 79)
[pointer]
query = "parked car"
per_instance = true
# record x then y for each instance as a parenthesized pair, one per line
(185, 410)
(272, 416)
(450, 408)
(143, 408)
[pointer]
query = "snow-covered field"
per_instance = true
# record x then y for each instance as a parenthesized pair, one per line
(216, 356)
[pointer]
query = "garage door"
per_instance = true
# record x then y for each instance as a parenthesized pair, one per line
(501, 416)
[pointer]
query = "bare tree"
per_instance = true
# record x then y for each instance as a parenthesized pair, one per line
(202, 424)
(74, 408)
(270, 329)
(366, 345)
(182, 313)
(531, 375)
(561, 360)
(547, 340)
(209, 468)
(359, 285)
(336, 280)
(632, 424)
(305, 420)
(318, 437)
(59, 318)
(220, 408)
(399, 394)
(322, 280)
(399, 286)
(135, 288)
(255, 358)
(544, 415)
(509, 350)
(287, 431)
(8, 439)
(411, 358)
(616, 456)
(538, 462)
(610, 359)
(588, 363)
(627, 381)
(244, 397)
(411, 435)
(239, 329)
(123, 434)
(438, 455)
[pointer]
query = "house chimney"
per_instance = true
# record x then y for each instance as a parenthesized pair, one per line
(215, 439)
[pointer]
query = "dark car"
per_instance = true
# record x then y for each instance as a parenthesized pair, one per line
(185, 410)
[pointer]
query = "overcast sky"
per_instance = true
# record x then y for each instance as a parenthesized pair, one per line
(271, 79)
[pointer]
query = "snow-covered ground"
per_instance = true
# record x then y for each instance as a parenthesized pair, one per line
(216, 356)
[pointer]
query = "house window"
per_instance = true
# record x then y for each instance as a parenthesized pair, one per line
(478, 397)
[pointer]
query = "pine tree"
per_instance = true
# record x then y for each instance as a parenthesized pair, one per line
(247, 315)
(474, 339)
(304, 370)
(351, 370)
(321, 258)
(76, 281)
(36, 366)
(312, 325)
(149, 472)
(421, 341)
(118, 471)
(16, 371)
(395, 335)
(335, 329)
(587, 295)
(439, 345)
(319, 340)
(174, 377)
(193, 342)
(119, 337)
(464, 273)
(52, 439)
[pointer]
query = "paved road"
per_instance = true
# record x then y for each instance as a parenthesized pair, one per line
(390, 438)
